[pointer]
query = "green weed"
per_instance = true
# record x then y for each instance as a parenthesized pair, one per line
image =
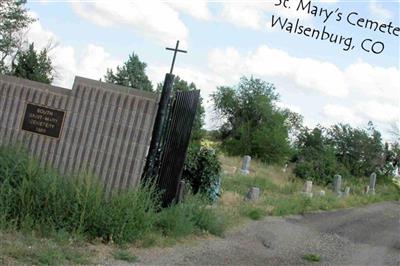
(124, 255)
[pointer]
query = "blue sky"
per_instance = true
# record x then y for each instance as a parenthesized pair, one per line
(229, 39)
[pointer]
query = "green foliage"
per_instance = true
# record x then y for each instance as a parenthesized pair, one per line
(124, 255)
(202, 171)
(312, 257)
(341, 149)
(316, 159)
(33, 65)
(253, 124)
(32, 197)
(14, 18)
(252, 212)
(359, 150)
(130, 74)
(190, 216)
(28, 249)
(37, 199)
(129, 215)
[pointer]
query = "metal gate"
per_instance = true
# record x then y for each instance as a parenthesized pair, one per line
(174, 143)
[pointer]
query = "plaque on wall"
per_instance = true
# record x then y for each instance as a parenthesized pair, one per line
(43, 120)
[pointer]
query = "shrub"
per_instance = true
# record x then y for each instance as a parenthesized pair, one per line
(202, 171)
(37, 198)
(129, 215)
(191, 216)
(33, 197)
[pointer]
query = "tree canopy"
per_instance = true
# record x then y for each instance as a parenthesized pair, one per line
(253, 124)
(131, 74)
(14, 18)
(33, 65)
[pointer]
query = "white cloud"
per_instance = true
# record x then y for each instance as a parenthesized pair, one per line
(374, 82)
(291, 107)
(257, 14)
(153, 19)
(311, 74)
(379, 12)
(378, 111)
(195, 8)
(366, 92)
(92, 63)
(338, 113)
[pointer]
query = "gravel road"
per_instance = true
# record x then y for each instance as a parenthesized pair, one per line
(359, 236)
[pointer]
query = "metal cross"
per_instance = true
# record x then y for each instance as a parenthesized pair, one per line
(175, 51)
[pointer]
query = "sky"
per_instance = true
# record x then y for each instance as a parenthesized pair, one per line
(326, 82)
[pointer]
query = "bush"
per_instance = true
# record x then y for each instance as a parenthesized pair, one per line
(32, 197)
(190, 216)
(37, 198)
(202, 171)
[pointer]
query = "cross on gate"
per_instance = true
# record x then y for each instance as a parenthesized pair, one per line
(175, 51)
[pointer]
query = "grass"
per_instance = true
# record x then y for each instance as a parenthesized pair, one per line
(280, 192)
(124, 255)
(46, 218)
(57, 211)
(312, 257)
(33, 250)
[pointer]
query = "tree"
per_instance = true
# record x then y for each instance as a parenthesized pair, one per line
(197, 131)
(14, 18)
(359, 150)
(33, 65)
(253, 124)
(130, 74)
(315, 157)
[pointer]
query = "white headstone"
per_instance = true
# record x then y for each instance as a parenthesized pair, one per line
(285, 168)
(246, 165)
(337, 184)
(347, 191)
(372, 181)
(307, 191)
(322, 193)
(308, 186)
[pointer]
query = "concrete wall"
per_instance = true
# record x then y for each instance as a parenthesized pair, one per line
(107, 128)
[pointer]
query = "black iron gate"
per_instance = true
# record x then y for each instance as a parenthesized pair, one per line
(174, 143)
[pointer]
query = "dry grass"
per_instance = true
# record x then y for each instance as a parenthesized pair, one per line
(281, 192)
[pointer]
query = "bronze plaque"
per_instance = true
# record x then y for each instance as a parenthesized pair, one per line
(43, 120)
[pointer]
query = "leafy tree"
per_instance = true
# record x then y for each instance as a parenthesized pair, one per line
(359, 150)
(130, 74)
(197, 131)
(315, 158)
(253, 124)
(14, 18)
(34, 65)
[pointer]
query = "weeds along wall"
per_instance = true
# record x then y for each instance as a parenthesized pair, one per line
(106, 129)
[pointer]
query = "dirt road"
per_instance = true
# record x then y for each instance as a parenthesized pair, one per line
(360, 236)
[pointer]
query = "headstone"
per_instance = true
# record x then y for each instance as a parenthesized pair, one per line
(337, 184)
(322, 193)
(307, 189)
(347, 191)
(366, 189)
(234, 169)
(285, 168)
(372, 181)
(97, 127)
(245, 165)
(308, 186)
(253, 194)
(182, 190)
